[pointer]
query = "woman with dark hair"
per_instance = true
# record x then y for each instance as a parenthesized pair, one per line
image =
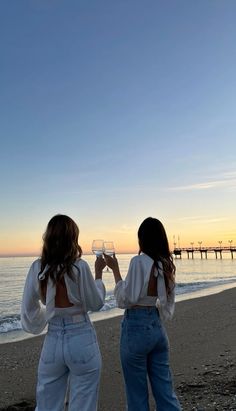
(147, 294)
(59, 291)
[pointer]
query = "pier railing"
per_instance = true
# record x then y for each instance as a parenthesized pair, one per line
(203, 251)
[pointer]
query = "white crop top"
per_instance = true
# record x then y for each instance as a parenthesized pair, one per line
(133, 290)
(83, 291)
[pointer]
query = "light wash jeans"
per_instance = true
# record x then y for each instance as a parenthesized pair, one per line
(144, 351)
(70, 353)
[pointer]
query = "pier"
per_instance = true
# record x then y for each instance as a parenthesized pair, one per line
(204, 251)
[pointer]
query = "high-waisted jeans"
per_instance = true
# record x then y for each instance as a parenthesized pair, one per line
(70, 354)
(144, 351)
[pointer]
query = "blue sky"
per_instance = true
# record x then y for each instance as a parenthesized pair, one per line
(115, 110)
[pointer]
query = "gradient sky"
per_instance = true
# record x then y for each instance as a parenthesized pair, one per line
(112, 111)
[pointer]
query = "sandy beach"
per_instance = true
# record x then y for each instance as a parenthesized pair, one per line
(203, 352)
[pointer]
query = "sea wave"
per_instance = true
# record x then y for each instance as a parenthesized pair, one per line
(182, 288)
(110, 302)
(10, 323)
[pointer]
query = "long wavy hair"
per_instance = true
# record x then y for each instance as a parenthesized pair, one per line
(60, 249)
(153, 242)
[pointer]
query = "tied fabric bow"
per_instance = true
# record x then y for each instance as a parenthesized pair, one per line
(164, 304)
(50, 294)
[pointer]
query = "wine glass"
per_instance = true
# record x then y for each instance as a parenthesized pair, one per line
(98, 247)
(109, 248)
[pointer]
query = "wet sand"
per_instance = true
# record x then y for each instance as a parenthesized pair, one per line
(203, 353)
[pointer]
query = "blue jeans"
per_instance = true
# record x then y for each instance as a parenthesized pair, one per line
(71, 354)
(144, 351)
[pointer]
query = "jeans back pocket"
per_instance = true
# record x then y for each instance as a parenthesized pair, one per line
(82, 347)
(48, 353)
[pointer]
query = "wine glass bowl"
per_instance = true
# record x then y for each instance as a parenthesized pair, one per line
(109, 248)
(98, 247)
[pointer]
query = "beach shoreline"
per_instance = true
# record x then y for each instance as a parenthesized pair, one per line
(202, 353)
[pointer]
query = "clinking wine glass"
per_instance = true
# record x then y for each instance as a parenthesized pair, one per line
(98, 247)
(109, 249)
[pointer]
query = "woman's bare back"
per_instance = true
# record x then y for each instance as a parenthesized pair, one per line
(61, 298)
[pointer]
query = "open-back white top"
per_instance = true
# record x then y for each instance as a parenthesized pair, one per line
(83, 291)
(133, 290)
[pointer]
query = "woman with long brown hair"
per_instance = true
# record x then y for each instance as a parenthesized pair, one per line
(59, 291)
(148, 295)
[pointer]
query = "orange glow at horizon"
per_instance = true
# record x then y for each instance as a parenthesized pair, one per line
(124, 243)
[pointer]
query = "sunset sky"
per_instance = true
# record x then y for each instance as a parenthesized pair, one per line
(112, 111)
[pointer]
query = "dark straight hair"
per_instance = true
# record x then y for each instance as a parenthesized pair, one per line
(153, 242)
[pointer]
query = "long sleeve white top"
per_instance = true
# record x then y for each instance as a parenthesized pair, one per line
(83, 291)
(133, 290)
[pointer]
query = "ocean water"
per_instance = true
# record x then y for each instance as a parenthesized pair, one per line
(194, 277)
